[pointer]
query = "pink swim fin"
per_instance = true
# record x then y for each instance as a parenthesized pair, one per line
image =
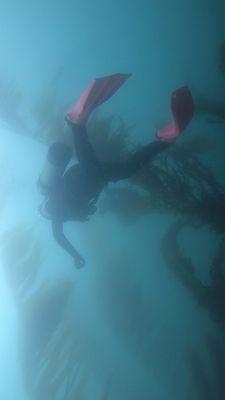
(182, 107)
(100, 90)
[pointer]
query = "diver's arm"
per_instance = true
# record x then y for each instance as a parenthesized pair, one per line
(57, 230)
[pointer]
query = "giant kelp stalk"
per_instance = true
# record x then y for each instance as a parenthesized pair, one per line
(56, 360)
(176, 182)
(43, 121)
(122, 302)
(21, 257)
(222, 59)
(110, 137)
(48, 113)
(214, 109)
(40, 318)
(207, 373)
(40, 309)
(211, 296)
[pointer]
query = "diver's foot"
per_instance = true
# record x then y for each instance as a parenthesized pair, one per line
(71, 121)
(182, 108)
(73, 118)
(168, 134)
(76, 128)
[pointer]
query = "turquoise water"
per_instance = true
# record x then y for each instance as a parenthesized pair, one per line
(133, 324)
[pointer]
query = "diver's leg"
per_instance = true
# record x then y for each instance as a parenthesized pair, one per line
(135, 162)
(86, 155)
(99, 91)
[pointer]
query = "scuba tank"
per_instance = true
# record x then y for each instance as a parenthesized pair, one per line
(58, 157)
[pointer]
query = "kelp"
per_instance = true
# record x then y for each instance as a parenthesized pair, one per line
(210, 107)
(40, 318)
(211, 296)
(126, 203)
(214, 109)
(21, 257)
(53, 357)
(47, 113)
(10, 103)
(176, 182)
(110, 137)
(207, 374)
(222, 59)
(202, 386)
(122, 302)
(41, 310)
(43, 121)
(48, 117)
(56, 363)
(66, 365)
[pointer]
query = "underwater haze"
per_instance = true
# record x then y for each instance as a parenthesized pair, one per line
(144, 319)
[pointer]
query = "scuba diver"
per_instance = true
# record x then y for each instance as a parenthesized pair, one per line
(71, 193)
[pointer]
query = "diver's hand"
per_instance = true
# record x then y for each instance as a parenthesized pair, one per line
(79, 261)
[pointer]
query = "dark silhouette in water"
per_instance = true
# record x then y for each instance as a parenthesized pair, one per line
(212, 108)
(211, 296)
(208, 385)
(215, 110)
(73, 195)
(178, 183)
(127, 203)
(222, 59)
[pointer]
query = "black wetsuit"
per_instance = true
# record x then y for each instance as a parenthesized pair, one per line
(75, 194)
